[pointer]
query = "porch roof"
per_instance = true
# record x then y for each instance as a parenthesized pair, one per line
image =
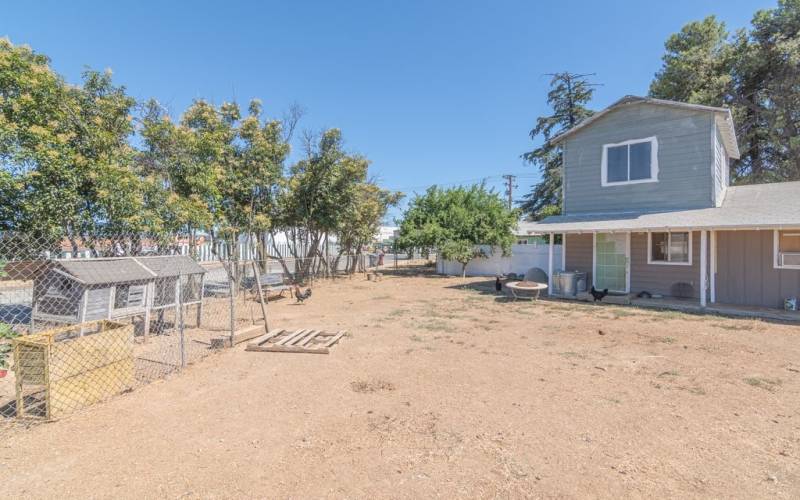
(757, 206)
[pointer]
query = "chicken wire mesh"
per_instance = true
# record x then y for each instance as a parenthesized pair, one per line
(84, 319)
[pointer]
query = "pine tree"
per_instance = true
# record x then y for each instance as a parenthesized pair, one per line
(568, 96)
(754, 72)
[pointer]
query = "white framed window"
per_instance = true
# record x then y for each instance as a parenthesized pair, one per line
(630, 162)
(787, 249)
(669, 248)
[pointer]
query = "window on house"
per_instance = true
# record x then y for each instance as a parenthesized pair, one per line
(630, 162)
(787, 249)
(670, 248)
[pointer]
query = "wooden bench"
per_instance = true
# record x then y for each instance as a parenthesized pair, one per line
(273, 283)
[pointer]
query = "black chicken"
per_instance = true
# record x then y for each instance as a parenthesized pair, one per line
(498, 285)
(301, 296)
(599, 295)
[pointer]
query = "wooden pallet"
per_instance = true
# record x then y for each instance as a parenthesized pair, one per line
(300, 341)
(243, 335)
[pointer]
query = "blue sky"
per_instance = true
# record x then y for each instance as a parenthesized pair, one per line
(431, 92)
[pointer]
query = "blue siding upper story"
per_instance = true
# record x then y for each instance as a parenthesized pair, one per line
(685, 161)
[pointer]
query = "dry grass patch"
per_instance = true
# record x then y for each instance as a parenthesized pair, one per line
(663, 340)
(737, 325)
(370, 386)
(768, 384)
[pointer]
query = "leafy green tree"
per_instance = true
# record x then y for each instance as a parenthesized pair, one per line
(220, 169)
(455, 221)
(69, 168)
(318, 195)
(64, 150)
(568, 96)
(360, 219)
(754, 72)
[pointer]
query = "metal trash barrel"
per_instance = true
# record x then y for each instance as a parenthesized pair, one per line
(568, 283)
(580, 282)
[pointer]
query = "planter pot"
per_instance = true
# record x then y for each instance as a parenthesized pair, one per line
(3, 372)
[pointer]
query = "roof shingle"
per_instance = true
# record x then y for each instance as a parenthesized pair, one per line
(763, 206)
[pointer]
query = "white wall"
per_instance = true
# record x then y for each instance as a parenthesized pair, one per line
(523, 257)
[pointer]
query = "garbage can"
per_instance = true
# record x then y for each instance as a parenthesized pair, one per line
(580, 282)
(568, 283)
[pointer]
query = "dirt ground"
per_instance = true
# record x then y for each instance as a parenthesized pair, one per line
(446, 391)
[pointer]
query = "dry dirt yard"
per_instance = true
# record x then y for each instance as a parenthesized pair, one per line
(442, 391)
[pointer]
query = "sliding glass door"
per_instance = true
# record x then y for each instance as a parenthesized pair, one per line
(611, 256)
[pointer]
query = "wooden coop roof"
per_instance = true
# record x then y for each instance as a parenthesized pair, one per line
(126, 269)
(171, 265)
(99, 271)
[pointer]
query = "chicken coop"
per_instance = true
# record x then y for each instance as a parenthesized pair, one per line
(68, 368)
(73, 291)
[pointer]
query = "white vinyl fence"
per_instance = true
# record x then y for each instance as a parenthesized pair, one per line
(523, 257)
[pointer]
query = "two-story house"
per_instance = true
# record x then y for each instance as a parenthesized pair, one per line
(648, 207)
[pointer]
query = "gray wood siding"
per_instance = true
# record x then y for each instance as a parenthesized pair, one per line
(745, 272)
(685, 158)
(659, 278)
(97, 303)
(579, 253)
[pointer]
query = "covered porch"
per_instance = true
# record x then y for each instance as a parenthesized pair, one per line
(652, 260)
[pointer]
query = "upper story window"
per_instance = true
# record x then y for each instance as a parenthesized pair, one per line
(787, 249)
(630, 162)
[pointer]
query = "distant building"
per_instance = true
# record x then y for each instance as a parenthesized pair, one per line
(387, 234)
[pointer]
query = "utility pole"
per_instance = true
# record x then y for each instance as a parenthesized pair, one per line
(510, 189)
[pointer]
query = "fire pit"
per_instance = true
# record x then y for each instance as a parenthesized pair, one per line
(525, 289)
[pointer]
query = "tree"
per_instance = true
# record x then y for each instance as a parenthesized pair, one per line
(766, 77)
(756, 72)
(455, 221)
(361, 218)
(71, 166)
(697, 65)
(220, 168)
(569, 93)
(327, 193)
(64, 150)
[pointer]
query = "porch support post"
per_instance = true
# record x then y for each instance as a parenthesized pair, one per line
(703, 267)
(563, 251)
(550, 266)
(713, 270)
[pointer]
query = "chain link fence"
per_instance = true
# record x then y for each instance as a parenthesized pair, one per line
(82, 320)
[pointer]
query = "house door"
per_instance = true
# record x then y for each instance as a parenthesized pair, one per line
(611, 261)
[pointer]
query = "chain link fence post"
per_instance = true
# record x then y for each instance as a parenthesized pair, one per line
(181, 323)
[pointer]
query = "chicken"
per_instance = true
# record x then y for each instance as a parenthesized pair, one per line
(301, 296)
(599, 295)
